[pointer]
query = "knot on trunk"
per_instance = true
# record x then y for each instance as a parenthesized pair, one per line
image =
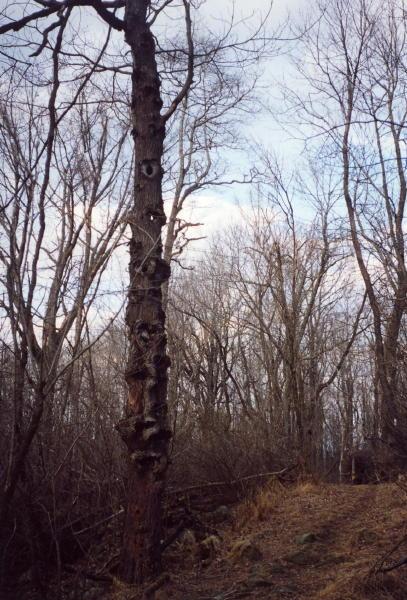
(144, 460)
(156, 129)
(151, 335)
(156, 269)
(157, 216)
(131, 428)
(150, 168)
(143, 435)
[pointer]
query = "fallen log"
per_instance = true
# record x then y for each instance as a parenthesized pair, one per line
(231, 483)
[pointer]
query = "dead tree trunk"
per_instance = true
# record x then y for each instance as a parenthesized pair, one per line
(145, 429)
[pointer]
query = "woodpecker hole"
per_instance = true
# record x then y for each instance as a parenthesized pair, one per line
(150, 168)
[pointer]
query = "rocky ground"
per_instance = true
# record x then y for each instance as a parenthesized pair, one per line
(308, 541)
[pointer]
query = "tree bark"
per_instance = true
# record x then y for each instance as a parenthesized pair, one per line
(145, 429)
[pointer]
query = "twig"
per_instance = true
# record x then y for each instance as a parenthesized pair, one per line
(174, 535)
(88, 575)
(379, 568)
(109, 518)
(394, 566)
(153, 587)
(201, 486)
(331, 468)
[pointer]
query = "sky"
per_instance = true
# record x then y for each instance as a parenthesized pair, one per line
(218, 208)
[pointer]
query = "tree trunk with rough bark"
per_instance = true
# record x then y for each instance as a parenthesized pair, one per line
(145, 429)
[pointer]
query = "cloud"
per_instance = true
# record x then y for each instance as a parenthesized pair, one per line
(213, 213)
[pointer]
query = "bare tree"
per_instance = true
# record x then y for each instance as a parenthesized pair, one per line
(145, 429)
(65, 187)
(207, 126)
(262, 336)
(357, 55)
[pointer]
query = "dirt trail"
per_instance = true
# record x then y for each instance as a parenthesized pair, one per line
(312, 542)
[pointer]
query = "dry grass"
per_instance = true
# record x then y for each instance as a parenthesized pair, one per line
(353, 526)
(361, 585)
(260, 506)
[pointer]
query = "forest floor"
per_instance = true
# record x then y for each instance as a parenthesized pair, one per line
(321, 542)
(295, 542)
